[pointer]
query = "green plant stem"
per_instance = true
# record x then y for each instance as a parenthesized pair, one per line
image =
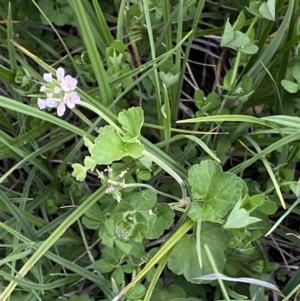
(235, 68)
(102, 115)
(155, 71)
(170, 171)
(238, 57)
(153, 189)
(214, 266)
(156, 276)
(291, 293)
(120, 21)
(234, 71)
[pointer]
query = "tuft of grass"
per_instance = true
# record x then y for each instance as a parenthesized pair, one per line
(211, 142)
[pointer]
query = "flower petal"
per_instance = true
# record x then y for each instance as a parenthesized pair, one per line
(41, 103)
(60, 74)
(47, 77)
(51, 102)
(61, 109)
(43, 88)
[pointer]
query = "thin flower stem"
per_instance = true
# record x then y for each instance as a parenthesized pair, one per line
(170, 171)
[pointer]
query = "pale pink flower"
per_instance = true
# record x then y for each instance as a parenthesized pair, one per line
(69, 83)
(41, 103)
(71, 99)
(59, 94)
(47, 77)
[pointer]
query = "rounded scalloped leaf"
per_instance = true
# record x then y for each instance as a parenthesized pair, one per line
(109, 147)
(184, 258)
(215, 191)
(159, 221)
(131, 121)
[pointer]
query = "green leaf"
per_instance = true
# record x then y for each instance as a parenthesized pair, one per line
(184, 259)
(168, 79)
(89, 163)
(144, 175)
(131, 121)
(144, 200)
(137, 292)
(12, 258)
(227, 80)
(290, 86)
(88, 143)
(248, 48)
(185, 299)
(139, 231)
(129, 267)
(110, 227)
(80, 298)
(268, 207)
(228, 35)
(240, 22)
(296, 73)
(118, 275)
(246, 83)
(239, 40)
(214, 190)
(47, 7)
(104, 266)
(223, 145)
(145, 162)
(161, 220)
(107, 239)
(93, 218)
(79, 171)
(251, 203)
(59, 18)
(122, 210)
(171, 292)
(115, 60)
(112, 255)
(199, 95)
(233, 39)
(134, 150)
(239, 218)
(212, 101)
(124, 246)
(110, 147)
(267, 10)
(254, 8)
(296, 188)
